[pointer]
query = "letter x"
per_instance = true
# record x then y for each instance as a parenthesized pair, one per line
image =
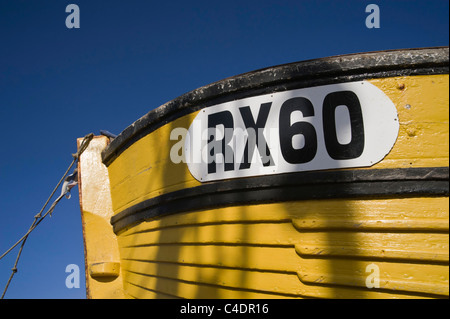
(258, 138)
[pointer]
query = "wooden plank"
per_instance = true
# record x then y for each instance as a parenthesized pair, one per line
(185, 289)
(415, 278)
(399, 247)
(248, 257)
(139, 292)
(274, 234)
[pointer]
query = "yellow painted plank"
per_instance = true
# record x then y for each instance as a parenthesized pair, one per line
(185, 289)
(401, 214)
(249, 257)
(233, 214)
(255, 234)
(140, 292)
(423, 278)
(371, 224)
(397, 246)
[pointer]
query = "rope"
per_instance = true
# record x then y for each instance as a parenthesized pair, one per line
(39, 217)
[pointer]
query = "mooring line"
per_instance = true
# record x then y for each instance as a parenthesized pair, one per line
(39, 217)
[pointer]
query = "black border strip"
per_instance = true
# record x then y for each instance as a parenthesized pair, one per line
(430, 181)
(338, 69)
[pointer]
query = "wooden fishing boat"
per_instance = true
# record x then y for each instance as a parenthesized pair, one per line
(326, 178)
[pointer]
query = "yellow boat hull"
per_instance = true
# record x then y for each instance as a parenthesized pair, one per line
(153, 230)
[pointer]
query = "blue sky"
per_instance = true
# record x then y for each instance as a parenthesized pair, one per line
(129, 57)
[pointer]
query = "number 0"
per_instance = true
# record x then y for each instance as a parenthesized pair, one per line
(355, 147)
